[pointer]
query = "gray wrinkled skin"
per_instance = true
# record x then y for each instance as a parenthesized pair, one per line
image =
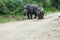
(39, 10)
(25, 11)
(31, 9)
(40, 13)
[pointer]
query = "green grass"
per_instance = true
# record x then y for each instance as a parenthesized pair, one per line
(9, 18)
(50, 10)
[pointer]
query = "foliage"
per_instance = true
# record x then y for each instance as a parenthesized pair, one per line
(15, 7)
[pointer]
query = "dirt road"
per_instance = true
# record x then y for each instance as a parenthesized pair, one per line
(44, 29)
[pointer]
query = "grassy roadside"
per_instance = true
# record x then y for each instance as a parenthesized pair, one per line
(11, 18)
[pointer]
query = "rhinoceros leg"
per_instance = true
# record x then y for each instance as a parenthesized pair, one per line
(35, 15)
(30, 15)
(41, 15)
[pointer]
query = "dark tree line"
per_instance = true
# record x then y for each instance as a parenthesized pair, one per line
(14, 7)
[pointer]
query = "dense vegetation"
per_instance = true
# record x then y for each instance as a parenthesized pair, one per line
(13, 8)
